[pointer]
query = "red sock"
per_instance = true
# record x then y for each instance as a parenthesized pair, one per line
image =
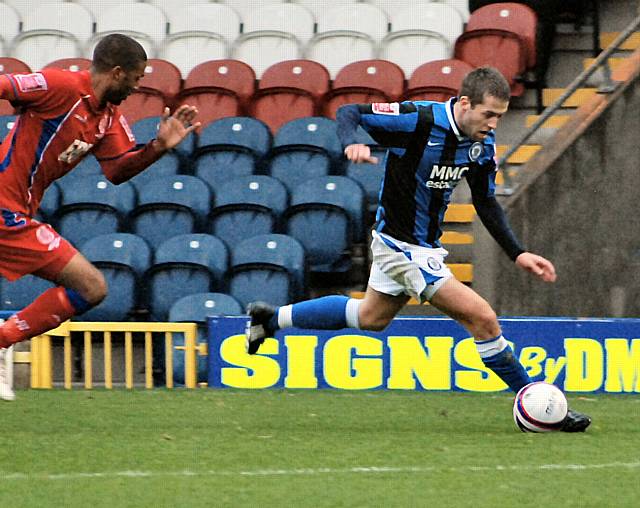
(47, 311)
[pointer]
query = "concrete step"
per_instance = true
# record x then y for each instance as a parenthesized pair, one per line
(575, 100)
(614, 62)
(521, 155)
(632, 43)
(553, 122)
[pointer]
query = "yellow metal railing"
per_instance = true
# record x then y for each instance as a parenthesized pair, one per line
(41, 357)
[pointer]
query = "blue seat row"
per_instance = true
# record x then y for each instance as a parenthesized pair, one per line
(269, 267)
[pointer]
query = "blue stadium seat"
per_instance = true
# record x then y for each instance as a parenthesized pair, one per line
(93, 206)
(305, 148)
(147, 129)
(184, 265)
(370, 177)
(123, 258)
(170, 206)
(326, 217)
(247, 206)
(168, 165)
(195, 309)
(18, 294)
(268, 267)
(217, 168)
(6, 124)
(49, 204)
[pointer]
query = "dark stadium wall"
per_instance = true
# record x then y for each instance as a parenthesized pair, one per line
(578, 206)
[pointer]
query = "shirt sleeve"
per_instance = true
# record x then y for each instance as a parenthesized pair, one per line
(482, 184)
(49, 91)
(390, 124)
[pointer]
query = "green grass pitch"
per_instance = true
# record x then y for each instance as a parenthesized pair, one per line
(322, 448)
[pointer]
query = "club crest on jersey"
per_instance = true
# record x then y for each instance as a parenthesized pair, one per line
(434, 264)
(31, 82)
(74, 151)
(386, 108)
(475, 151)
(46, 236)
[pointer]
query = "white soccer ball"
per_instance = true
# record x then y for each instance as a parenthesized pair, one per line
(539, 407)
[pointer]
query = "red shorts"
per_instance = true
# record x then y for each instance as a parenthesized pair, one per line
(30, 246)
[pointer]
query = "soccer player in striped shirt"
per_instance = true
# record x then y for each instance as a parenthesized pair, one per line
(432, 146)
(64, 116)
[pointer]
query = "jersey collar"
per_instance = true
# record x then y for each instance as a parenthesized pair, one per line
(89, 94)
(452, 121)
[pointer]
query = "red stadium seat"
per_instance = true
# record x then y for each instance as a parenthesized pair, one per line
(437, 80)
(289, 90)
(501, 35)
(218, 88)
(71, 64)
(363, 82)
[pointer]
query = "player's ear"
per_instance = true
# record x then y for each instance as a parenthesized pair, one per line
(465, 102)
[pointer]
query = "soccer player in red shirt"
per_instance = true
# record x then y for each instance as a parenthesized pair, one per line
(64, 116)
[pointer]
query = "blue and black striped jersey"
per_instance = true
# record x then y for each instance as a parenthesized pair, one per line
(428, 156)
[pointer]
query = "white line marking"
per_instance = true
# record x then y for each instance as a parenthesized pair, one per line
(315, 471)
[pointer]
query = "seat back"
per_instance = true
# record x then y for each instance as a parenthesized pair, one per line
(63, 16)
(268, 267)
(283, 17)
(437, 81)
(356, 17)
(240, 133)
(122, 258)
(70, 64)
(184, 265)
(435, 17)
(18, 294)
(262, 49)
(197, 307)
(289, 90)
(9, 24)
(335, 49)
(206, 17)
(189, 49)
(170, 206)
(139, 17)
(311, 133)
(246, 207)
(365, 81)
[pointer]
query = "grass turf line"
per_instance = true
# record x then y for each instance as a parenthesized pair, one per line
(308, 448)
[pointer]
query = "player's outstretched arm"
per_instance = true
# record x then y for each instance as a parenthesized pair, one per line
(537, 265)
(359, 153)
(174, 128)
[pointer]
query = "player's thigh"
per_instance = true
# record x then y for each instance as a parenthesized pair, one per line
(466, 306)
(378, 309)
(81, 276)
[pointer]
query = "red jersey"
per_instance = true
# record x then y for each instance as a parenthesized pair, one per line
(60, 123)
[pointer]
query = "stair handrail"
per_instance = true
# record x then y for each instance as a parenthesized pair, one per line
(608, 87)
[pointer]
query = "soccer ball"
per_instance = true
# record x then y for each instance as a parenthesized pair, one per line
(539, 407)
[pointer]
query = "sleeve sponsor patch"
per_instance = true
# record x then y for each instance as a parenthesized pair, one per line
(30, 82)
(127, 129)
(386, 108)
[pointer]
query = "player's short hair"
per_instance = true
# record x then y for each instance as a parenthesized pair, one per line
(485, 80)
(117, 50)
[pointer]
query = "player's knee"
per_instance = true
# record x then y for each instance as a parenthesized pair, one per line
(485, 322)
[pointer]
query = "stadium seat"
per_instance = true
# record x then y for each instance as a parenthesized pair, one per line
(70, 64)
(503, 36)
(198, 33)
(436, 81)
(370, 177)
(420, 34)
(231, 147)
(269, 268)
(9, 25)
(88, 166)
(462, 6)
(273, 33)
(326, 217)
(146, 129)
(123, 259)
(10, 65)
(184, 265)
(218, 88)
(93, 206)
(304, 148)
(7, 123)
(53, 31)
(18, 294)
(195, 309)
(143, 22)
(365, 81)
(167, 166)
(49, 204)
(318, 7)
(247, 206)
(170, 206)
(157, 89)
(289, 90)
(347, 34)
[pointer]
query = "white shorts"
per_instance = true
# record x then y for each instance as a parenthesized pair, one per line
(403, 268)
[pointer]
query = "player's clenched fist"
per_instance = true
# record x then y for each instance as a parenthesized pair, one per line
(359, 153)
